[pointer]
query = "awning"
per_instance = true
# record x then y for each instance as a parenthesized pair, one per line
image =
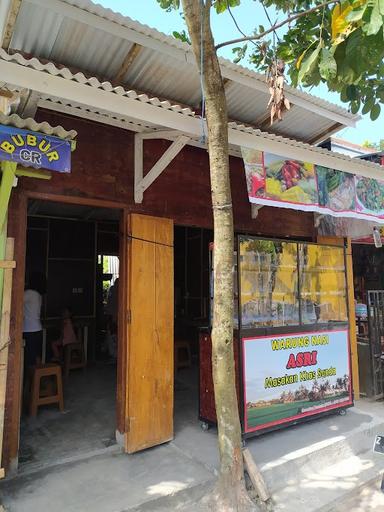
(74, 93)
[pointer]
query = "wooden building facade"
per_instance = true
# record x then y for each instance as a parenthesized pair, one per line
(151, 185)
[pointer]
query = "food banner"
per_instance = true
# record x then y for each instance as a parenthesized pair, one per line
(275, 181)
(292, 376)
(34, 149)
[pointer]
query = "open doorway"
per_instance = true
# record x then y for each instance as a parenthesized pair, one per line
(76, 248)
(192, 315)
(368, 262)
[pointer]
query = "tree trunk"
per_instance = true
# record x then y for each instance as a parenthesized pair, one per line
(230, 493)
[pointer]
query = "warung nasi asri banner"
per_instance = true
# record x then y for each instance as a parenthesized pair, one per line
(292, 376)
(273, 180)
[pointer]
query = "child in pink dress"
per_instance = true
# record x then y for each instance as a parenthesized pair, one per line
(67, 335)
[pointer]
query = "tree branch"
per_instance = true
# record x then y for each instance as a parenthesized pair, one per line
(276, 26)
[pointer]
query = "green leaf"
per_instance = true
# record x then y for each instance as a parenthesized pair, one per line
(356, 15)
(169, 5)
(355, 107)
(343, 95)
(368, 105)
(183, 36)
(381, 7)
(351, 91)
(328, 65)
(222, 5)
(375, 111)
(309, 64)
(375, 22)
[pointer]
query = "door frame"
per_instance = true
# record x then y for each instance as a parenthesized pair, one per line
(18, 229)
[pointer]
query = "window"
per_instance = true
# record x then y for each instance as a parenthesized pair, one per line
(268, 283)
(287, 283)
(322, 284)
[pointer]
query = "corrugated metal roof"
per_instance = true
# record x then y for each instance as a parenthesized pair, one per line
(74, 33)
(31, 124)
(50, 68)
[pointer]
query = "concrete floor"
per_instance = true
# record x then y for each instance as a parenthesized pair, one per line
(309, 467)
(86, 426)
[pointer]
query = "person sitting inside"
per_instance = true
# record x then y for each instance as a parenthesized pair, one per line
(67, 335)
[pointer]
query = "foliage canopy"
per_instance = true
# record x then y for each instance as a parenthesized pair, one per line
(340, 44)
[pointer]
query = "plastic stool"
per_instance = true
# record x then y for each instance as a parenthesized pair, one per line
(37, 399)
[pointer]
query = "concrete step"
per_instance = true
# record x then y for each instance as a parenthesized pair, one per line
(295, 467)
(322, 489)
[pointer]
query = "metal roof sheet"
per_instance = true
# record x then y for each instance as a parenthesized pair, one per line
(50, 68)
(73, 33)
(31, 124)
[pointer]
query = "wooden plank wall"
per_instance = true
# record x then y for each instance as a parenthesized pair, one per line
(102, 175)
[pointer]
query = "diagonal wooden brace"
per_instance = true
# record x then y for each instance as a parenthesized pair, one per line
(143, 182)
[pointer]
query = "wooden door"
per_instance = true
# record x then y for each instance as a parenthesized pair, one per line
(149, 398)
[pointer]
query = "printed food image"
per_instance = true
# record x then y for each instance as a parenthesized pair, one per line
(290, 180)
(255, 180)
(370, 194)
(254, 171)
(252, 156)
(336, 189)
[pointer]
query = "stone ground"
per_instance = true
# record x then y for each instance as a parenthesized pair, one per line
(71, 463)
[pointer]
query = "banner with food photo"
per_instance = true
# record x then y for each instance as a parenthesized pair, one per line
(369, 196)
(336, 189)
(273, 180)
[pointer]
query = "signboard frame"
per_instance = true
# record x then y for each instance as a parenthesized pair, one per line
(306, 416)
(34, 149)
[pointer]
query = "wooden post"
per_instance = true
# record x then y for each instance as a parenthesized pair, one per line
(352, 322)
(256, 477)
(7, 180)
(4, 335)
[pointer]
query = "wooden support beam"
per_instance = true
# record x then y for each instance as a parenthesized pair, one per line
(7, 264)
(38, 173)
(7, 181)
(13, 12)
(4, 333)
(255, 210)
(138, 166)
(352, 321)
(28, 104)
(128, 61)
(325, 134)
(256, 477)
(143, 182)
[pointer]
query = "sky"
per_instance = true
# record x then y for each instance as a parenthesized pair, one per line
(248, 16)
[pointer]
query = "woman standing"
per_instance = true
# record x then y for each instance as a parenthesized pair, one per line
(33, 330)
